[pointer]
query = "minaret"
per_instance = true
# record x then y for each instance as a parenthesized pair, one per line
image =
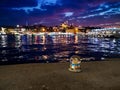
(26, 23)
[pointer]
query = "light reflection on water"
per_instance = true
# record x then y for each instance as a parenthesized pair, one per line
(36, 48)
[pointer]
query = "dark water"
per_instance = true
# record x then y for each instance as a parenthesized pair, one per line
(54, 48)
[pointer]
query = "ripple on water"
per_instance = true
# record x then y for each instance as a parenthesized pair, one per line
(25, 48)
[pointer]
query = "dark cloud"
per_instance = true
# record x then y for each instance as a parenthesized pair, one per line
(84, 12)
(10, 17)
(17, 3)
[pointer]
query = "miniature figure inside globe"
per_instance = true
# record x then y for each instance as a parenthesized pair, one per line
(75, 62)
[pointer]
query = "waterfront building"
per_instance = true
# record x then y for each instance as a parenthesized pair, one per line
(105, 32)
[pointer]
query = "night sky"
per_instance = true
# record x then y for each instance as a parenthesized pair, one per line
(54, 12)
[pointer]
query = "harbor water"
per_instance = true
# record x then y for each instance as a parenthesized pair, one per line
(55, 48)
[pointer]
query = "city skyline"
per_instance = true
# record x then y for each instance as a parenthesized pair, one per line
(54, 12)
